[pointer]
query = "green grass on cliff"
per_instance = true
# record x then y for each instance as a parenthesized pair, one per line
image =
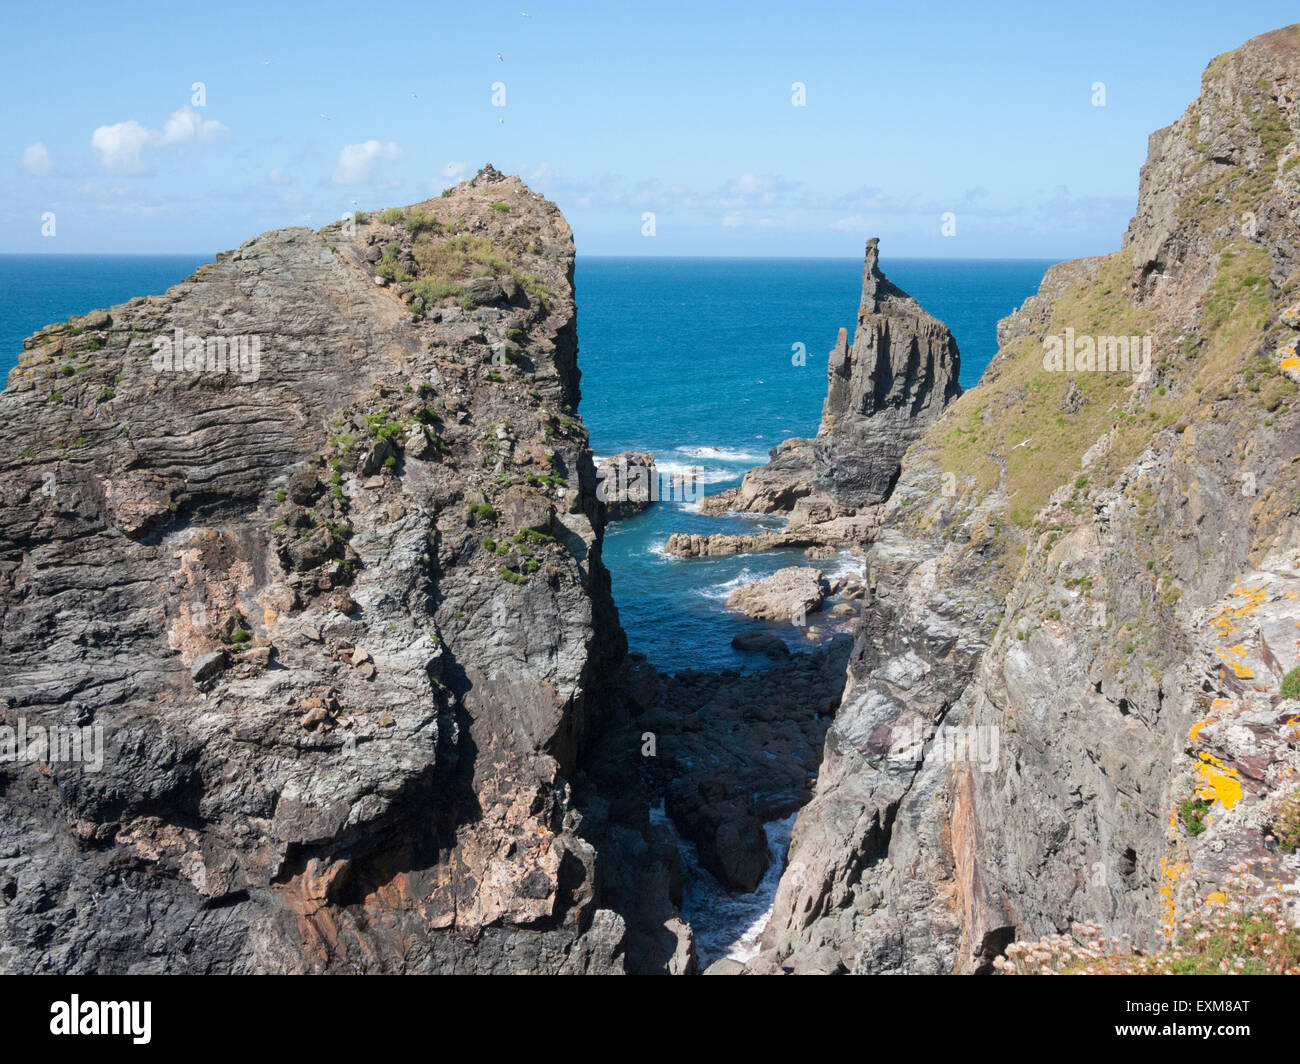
(1018, 419)
(445, 265)
(447, 257)
(1291, 684)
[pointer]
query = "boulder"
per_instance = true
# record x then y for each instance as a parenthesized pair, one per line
(788, 594)
(627, 483)
(761, 643)
(208, 666)
(482, 291)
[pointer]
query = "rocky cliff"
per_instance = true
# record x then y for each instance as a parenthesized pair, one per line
(311, 543)
(1065, 701)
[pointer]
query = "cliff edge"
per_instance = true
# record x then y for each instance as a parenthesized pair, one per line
(310, 546)
(1068, 698)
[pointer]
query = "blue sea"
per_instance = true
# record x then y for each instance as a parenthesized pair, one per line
(691, 359)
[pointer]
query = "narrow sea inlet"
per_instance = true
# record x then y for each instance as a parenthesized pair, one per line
(708, 364)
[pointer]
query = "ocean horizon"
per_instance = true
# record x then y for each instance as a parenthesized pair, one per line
(707, 362)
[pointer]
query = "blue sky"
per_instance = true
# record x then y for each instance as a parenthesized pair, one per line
(912, 110)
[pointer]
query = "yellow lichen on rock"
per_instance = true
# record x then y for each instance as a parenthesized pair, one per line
(1218, 782)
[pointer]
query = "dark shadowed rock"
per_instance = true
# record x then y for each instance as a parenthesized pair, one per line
(627, 484)
(762, 643)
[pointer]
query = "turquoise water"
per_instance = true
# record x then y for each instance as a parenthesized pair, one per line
(687, 358)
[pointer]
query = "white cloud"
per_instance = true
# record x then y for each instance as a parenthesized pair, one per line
(452, 174)
(851, 224)
(186, 124)
(121, 144)
(36, 160)
(762, 190)
(357, 161)
(732, 220)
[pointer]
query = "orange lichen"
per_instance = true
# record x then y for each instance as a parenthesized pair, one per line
(1218, 782)
(1254, 597)
(1242, 672)
(1171, 870)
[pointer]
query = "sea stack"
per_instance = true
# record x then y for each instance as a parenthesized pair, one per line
(882, 390)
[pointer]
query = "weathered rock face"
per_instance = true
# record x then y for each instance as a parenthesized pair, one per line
(1064, 702)
(897, 376)
(330, 588)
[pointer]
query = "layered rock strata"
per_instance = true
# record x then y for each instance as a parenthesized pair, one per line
(312, 543)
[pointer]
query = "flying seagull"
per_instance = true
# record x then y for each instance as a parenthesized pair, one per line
(414, 97)
(325, 116)
(501, 57)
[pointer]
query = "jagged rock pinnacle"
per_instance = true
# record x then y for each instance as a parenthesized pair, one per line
(897, 376)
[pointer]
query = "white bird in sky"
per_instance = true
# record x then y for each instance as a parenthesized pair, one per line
(325, 116)
(414, 97)
(501, 57)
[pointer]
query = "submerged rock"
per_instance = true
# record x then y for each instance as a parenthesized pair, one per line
(762, 643)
